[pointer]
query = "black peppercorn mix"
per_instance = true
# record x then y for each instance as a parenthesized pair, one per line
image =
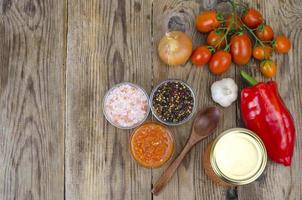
(173, 102)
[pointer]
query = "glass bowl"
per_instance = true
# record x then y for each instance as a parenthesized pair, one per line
(117, 125)
(155, 113)
(167, 158)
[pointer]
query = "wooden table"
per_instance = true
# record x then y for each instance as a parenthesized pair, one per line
(57, 60)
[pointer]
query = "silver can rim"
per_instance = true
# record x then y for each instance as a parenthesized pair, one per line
(234, 181)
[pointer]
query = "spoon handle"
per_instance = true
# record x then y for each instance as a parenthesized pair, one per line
(168, 173)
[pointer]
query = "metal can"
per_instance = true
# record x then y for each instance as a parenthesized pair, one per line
(236, 157)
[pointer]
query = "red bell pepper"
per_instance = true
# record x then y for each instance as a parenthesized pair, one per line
(264, 112)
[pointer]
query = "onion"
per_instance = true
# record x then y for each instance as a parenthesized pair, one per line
(175, 48)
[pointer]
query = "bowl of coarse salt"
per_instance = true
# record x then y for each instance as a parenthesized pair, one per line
(126, 105)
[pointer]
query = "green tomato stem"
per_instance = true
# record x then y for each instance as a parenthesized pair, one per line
(253, 34)
(233, 4)
(223, 38)
(222, 28)
(232, 22)
(228, 28)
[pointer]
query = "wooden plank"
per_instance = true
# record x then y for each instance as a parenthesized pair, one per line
(32, 99)
(190, 182)
(281, 182)
(108, 42)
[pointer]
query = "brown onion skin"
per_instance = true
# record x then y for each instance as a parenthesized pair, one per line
(175, 48)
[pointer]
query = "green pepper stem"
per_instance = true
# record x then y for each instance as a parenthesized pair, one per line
(248, 78)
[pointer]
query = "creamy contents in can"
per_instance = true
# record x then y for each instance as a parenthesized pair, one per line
(238, 156)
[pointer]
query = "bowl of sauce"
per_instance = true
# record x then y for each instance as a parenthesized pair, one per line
(151, 144)
(235, 157)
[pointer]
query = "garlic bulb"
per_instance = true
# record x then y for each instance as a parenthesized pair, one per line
(224, 92)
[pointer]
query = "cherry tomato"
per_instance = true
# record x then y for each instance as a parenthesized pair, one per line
(201, 55)
(215, 39)
(252, 18)
(220, 62)
(236, 25)
(282, 44)
(207, 21)
(241, 49)
(268, 68)
(262, 52)
(265, 33)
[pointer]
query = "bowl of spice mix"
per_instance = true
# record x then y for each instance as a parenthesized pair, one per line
(173, 102)
(126, 105)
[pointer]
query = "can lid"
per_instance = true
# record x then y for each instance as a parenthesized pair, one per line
(238, 156)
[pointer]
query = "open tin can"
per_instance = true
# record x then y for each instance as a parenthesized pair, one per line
(235, 157)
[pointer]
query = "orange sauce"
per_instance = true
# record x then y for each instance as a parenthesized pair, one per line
(151, 145)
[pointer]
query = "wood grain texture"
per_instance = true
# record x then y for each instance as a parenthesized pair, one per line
(49, 112)
(32, 99)
(108, 42)
(279, 182)
(190, 182)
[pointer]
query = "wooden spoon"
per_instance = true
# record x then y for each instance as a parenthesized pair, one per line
(204, 124)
